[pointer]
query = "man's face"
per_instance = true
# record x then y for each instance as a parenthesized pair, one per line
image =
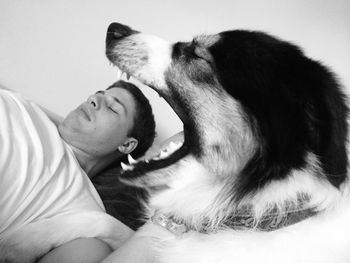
(101, 124)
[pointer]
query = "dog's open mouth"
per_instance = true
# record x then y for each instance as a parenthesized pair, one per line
(167, 155)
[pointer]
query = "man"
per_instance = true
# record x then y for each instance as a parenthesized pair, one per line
(47, 199)
(108, 125)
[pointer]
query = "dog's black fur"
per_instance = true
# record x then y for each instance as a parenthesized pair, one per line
(293, 102)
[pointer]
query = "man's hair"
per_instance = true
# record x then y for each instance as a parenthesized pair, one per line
(144, 125)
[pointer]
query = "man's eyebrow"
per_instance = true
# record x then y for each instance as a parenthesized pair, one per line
(115, 99)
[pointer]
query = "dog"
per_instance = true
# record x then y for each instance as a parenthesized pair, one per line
(262, 175)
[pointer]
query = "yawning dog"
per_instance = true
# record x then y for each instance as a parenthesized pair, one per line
(262, 175)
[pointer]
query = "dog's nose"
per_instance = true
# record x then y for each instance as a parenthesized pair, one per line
(117, 31)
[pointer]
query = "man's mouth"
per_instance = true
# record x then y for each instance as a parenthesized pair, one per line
(86, 112)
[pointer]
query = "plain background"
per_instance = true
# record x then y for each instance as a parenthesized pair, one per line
(53, 51)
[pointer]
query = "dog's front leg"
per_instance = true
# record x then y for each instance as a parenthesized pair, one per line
(34, 240)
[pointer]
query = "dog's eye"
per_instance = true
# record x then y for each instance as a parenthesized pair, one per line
(194, 55)
(198, 51)
(202, 53)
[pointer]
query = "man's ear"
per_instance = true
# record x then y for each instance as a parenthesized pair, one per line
(128, 146)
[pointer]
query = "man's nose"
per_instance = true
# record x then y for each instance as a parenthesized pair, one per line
(94, 101)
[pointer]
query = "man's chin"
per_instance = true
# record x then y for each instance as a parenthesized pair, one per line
(71, 128)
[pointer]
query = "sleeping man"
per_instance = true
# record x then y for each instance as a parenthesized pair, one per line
(47, 201)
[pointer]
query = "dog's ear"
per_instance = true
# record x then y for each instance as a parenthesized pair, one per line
(128, 146)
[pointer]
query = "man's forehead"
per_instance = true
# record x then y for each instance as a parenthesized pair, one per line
(120, 92)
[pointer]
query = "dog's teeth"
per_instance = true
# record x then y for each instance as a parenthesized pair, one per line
(131, 160)
(172, 147)
(126, 167)
(123, 76)
(178, 145)
(163, 154)
(119, 74)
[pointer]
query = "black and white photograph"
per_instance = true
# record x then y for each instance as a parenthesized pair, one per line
(174, 131)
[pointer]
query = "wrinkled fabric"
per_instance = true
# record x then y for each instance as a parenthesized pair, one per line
(39, 174)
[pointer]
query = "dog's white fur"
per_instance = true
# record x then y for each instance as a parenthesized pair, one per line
(159, 51)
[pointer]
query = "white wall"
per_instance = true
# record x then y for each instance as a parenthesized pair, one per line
(53, 51)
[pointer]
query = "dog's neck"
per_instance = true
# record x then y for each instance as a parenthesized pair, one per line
(269, 222)
(243, 218)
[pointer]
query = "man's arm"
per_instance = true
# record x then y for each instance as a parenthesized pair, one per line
(140, 247)
(135, 250)
(87, 250)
